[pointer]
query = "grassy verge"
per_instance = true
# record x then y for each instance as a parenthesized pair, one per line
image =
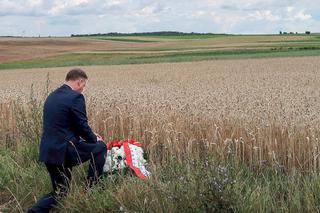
(195, 183)
(190, 186)
(141, 58)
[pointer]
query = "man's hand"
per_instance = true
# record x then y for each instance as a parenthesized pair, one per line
(99, 138)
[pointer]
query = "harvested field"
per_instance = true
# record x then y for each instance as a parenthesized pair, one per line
(29, 48)
(16, 49)
(263, 110)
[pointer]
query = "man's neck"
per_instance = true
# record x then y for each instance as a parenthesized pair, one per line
(69, 85)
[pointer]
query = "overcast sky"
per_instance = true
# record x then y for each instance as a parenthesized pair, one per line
(65, 17)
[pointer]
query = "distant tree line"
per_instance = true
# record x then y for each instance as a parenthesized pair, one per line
(307, 33)
(161, 33)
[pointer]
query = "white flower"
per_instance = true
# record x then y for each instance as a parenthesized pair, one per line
(116, 159)
(108, 164)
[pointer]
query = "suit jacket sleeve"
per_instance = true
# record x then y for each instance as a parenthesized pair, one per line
(79, 114)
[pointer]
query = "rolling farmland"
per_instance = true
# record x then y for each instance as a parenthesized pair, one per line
(236, 133)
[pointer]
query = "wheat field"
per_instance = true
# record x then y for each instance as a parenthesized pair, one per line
(258, 111)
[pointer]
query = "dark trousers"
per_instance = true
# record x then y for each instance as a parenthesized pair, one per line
(60, 175)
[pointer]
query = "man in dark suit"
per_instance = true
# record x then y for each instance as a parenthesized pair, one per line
(67, 139)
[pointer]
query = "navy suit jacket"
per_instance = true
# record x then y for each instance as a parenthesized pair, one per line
(64, 120)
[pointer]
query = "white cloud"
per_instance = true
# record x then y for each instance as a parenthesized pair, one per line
(78, 2)
(57, 8)
(264, 15)
(220, 16)
(146, 11)
(111, 3)
(61, 6)
(216, 18)
(301, 16)
(290, 9)
(198, 14)
(33, 3)
(19, 7)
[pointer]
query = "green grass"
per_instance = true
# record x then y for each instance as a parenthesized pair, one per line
(141, 36)
(190, 186)
(122, 39)
(286, 45)
(187, 36)
(141, 58)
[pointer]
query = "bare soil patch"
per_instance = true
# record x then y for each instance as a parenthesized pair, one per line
(29, 48)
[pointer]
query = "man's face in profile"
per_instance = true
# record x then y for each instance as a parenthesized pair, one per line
(81, 84)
